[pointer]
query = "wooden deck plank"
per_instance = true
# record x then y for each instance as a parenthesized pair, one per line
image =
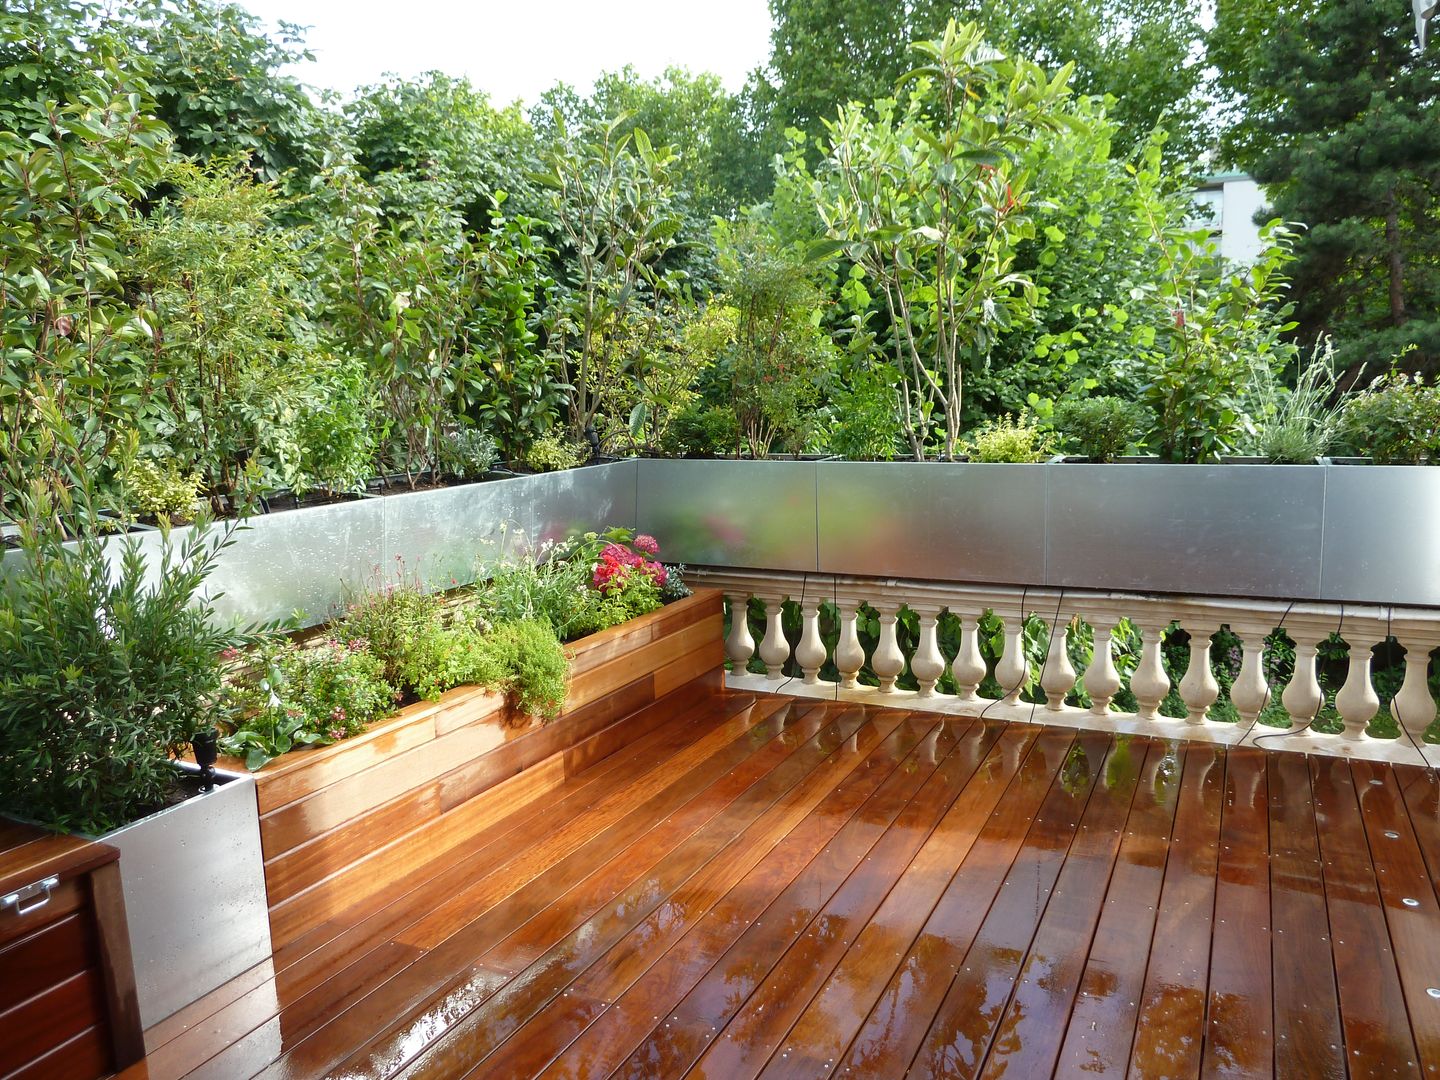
(1308, 1037)
(1168, 1036)
(1027, 1041)
(717, 990)
(1098, 1037)
(1410, 905)
(768, 810)
(449, 980)
(745, 883)
(965, 1024)
(1239, 1039)
(1370, 992)
(874, 912)
(542, 1038)
(809, 864)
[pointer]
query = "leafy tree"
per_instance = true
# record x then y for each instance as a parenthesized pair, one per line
(1146, 54)
(716, 166)
(216, 79)
(1338, 122)
(68, 336)
(927, 197)
(443, 129)
(612, 199)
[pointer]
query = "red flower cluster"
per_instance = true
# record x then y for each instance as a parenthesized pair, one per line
(618, 564)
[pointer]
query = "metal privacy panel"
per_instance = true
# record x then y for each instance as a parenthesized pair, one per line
(731, 513)
(946, 521)
(1226, 530)
(1382, 534)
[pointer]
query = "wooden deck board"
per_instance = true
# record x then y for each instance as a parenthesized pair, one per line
(760, 884)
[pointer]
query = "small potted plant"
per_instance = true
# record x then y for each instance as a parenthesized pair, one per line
(1100, 428)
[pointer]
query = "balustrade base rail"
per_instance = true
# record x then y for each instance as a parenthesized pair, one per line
(1038, 674)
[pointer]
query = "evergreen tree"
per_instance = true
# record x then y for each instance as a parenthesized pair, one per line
(1341, 122)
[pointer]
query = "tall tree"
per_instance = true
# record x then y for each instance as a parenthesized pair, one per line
(1339, 122)
(1147, 54)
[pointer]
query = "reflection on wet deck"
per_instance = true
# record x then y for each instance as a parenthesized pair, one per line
(799, 888)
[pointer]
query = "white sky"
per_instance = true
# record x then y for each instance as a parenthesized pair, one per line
(517, 49)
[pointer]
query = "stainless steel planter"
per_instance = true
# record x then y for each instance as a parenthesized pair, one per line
(194, 884)
(310, 561)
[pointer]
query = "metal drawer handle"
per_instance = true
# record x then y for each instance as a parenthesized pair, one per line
(24, 901)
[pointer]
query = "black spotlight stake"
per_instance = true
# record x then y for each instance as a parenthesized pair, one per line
(207, 750)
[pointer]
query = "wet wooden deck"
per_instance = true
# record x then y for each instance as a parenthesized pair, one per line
(763, 885)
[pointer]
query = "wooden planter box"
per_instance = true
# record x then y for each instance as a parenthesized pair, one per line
(339, 823)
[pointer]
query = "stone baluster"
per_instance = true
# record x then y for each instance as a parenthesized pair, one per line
(888, 661)
(1149, 683)
(1302, 696)
(774, 649)
(1357, 703)
(928, 663)
(1057, 678)
(1413, 706)
(1012, 668)
(849, 656)
(1102, 678)
(739, 645)
(1250, 693)
(810, 652)
(1198, 687)
(968, 669)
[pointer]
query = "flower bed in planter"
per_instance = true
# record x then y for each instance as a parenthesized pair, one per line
(339, 823)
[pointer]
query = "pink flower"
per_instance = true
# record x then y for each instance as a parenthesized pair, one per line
(1179, 319)
(647, 544)
(336, 733)
(229, 654)
(337, 714)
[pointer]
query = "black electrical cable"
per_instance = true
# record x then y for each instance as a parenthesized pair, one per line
(1258, 739)
(1005, 691)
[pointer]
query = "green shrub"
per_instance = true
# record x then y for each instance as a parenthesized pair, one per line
(1009, 439)
(552, 453)
(700, 430)
(865, 425)
(468, 453)
(397, 620)
(311, 697)
(1396, 420)
(526, 662)
(109, 668)
(1101, 428)
(162, 492)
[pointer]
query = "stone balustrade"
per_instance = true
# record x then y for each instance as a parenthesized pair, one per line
(1051, 679)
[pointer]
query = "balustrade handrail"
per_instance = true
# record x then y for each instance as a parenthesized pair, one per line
(1309, 624)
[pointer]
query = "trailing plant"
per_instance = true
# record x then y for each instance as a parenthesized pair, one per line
(1100, 428)
(1010, 439)
(309, 696)
(528, 665)
(1396, 420)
